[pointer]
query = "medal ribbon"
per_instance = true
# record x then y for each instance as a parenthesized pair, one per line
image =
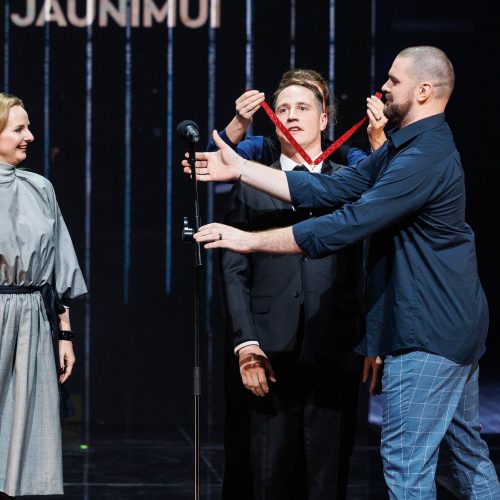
(328, 151)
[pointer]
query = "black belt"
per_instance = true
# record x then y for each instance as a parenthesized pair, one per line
(20, 289)
(51, 301)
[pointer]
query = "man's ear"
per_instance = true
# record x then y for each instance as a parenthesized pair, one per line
(323, 121)
(423, 91)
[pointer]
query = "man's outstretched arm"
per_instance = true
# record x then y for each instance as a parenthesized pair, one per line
(280, 241)
(226, 165)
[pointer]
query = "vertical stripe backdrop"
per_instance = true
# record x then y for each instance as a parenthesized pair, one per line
(104, 102)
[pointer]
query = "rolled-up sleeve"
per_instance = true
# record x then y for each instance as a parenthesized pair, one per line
(399, 192)
(332, 191)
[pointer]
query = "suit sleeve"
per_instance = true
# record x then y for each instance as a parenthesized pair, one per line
(237, 275)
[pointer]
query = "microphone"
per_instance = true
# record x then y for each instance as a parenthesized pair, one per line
(188, 130)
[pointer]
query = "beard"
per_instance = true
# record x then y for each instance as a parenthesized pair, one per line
(396, 113)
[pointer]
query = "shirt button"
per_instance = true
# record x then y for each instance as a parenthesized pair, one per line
(296, 293)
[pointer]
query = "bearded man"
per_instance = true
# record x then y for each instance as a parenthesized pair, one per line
(427, 314)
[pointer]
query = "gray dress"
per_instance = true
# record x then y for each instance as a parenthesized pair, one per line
(35, 249)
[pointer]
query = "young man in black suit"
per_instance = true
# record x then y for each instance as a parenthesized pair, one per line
(294, 323)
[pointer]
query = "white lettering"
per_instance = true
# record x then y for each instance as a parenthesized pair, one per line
(202, 14)
(151, 11)
(136, 11)
(122, 12)
(81, 22)
(51, 11)
(215, 13)
(29, 18)
(107, 9)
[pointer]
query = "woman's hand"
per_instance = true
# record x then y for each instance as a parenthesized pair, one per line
(246, 106)
(66, 359)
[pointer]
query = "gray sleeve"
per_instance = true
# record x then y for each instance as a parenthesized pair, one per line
(69, 281)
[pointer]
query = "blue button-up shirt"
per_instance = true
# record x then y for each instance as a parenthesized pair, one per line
(408, 200)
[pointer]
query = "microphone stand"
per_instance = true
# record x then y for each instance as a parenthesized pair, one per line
(187, 236)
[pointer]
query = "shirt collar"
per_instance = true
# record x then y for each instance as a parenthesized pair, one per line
(287, 164)
(400, 136)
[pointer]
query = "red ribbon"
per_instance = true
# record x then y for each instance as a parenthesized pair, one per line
(328, 151)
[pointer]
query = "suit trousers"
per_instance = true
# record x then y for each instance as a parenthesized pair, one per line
(302, 433)
(431, 414)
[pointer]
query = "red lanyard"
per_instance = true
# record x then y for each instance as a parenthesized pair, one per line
(328, 151)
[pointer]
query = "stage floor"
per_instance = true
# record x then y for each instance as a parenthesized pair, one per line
(124, 465)
(157, 463)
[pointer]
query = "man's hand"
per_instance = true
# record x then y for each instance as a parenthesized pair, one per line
(217, 235)
(376, 366)
(222, 165)
(255, 369)
(279, 241)
(376, 122)
(66, 359)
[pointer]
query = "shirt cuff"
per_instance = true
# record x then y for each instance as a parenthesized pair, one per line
(244, 344)
(225, 138)
(303, 233)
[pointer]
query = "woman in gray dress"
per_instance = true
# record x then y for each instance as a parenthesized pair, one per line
(38, 269)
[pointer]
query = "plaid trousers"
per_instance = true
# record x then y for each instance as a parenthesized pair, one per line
(431, 421)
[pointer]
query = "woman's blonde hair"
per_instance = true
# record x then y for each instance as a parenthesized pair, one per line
(7, 101)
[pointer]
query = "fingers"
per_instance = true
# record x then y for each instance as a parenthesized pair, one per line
(375, 116)
(366, 370)
(217, 235)
(66, 360)
(374, 381)
(375, 111)
(201, 161)
(270, 372)
(256, 381)
(375, 101)
(211, 232)
(199, 156)
(201, 167)
(262, 386)
(375, 365)
(253, 377)
(218, 141)
(249, 103)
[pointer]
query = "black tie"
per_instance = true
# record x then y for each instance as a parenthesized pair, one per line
(300, 168)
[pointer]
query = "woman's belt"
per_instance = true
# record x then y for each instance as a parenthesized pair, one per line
(51, 301)
(20, 289)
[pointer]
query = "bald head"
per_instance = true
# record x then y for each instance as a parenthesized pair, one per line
(431, 64)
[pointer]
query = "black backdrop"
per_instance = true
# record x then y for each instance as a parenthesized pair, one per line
(104, 102)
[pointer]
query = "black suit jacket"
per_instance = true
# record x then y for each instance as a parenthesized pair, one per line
(265, 293)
